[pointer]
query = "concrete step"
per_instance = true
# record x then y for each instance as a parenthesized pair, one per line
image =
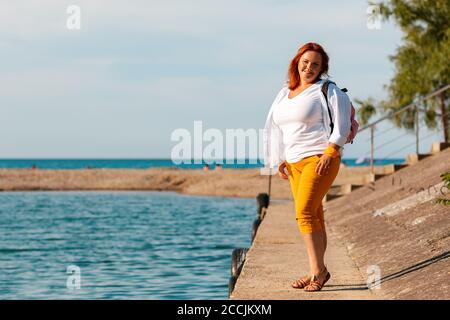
(362, 175)
(391, 168)
(380, 172)
(343, 189)
(370, 177)
(413, 158)
(337, 191)
(439, 146)
(340, 190)
(329, 197)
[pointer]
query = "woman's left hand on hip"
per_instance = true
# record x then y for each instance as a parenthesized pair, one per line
(323, 165)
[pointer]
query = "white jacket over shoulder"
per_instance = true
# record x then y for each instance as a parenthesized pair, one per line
(340, 108)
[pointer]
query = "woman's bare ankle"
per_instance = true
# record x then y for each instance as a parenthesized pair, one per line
(319, 272)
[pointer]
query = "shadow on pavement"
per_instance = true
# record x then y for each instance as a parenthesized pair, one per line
(398, 274)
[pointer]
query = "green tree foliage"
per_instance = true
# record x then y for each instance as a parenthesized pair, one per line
(446, 178)
(366, 111)
(421, 62)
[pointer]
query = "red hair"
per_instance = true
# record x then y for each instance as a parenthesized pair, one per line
(294, 76)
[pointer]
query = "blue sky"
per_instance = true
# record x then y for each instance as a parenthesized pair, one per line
(138, 70)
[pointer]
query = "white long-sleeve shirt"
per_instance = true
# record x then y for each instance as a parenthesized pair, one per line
(298, 127)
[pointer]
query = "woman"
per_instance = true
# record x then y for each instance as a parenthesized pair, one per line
(298, 139)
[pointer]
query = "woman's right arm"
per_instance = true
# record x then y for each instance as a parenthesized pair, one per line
(273, 137)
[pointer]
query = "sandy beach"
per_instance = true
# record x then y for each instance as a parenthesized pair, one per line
(246, 183)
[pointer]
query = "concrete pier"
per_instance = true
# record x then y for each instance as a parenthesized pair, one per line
(278, 257)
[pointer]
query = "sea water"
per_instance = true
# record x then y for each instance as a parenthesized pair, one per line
(156, 163)
(119, 245)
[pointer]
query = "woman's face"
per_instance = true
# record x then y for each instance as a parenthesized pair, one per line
(309, 66)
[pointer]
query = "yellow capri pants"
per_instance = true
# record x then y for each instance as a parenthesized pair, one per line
(308, 190)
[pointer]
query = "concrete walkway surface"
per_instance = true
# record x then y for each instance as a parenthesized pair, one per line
(278, 256)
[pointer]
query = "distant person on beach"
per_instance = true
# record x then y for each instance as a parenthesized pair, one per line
(206, 167)
(33, 167)
(218, 167)
(306, 150)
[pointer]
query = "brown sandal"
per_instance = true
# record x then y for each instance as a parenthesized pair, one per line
(315, 285)
(301, 283)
